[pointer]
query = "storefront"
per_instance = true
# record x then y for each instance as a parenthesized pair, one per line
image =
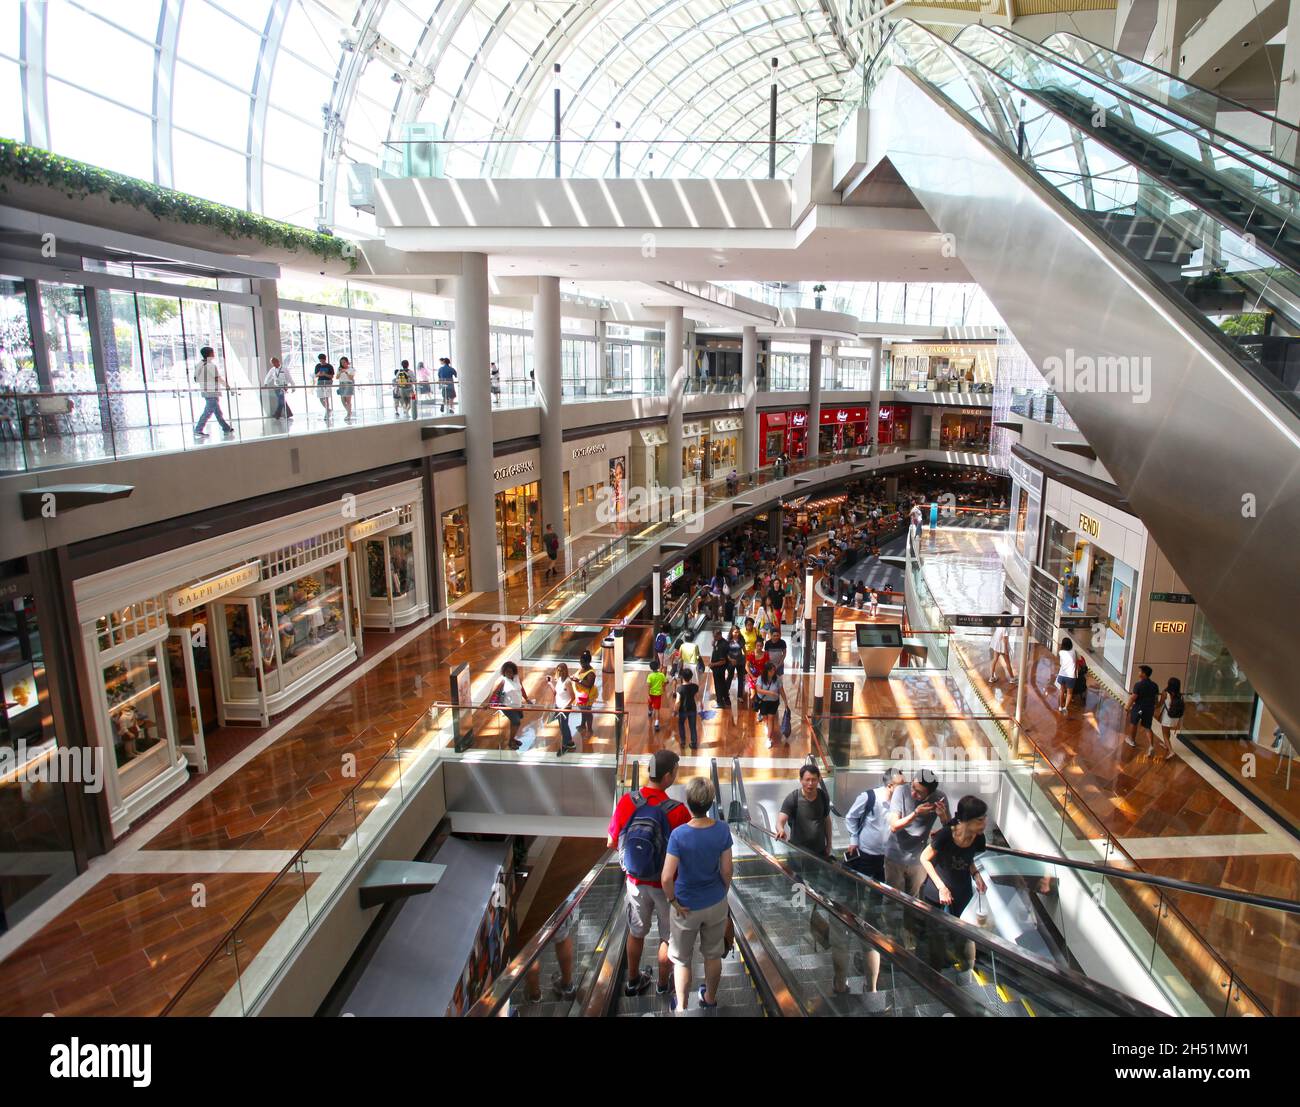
(697, 459)
(942, 367)
(649, 463)
(842, 429)
(1095, 555)
(964, 429)
(36, 836)
(518, 517)
(595, 481)
(1025, 516)
(895, 424)
(238, 629)
(782, 432)
(455, 553)
(725, 444)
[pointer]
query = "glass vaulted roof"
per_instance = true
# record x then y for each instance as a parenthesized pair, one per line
(264, 104)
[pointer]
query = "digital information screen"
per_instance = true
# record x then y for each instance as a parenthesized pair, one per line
(879, 634)
(675, 573)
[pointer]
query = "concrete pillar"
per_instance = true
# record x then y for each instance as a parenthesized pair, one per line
(1286, 147)
(266, 323)
(814, 395)
(472, 350)
(550, 400)
(602, 359)
(675, 384)
(877, 347)
(749, 390)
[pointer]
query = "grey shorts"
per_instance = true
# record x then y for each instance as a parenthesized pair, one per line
(709, 924)
(646, 904)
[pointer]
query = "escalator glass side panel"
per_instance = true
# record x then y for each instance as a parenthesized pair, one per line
(1238, 121)
(1000, 979)
(1224, 279)
(554, 979)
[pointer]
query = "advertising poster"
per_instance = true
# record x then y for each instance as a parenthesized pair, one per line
(618, 485)
(1120, 598)
(462, 730)
(19, 690)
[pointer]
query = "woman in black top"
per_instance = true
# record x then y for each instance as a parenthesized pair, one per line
(687, 710)
(720, 663)
(949, 859)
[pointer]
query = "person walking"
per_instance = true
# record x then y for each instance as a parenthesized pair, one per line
(404, 391)
(868, 825)
(687, 693)
(642, 823)
(494, 383)
(551, 543)
(696, 877)
(346, 380)
(509, 693)
(324, 375)
(1170, 710)
(446, 385)
(211, 381)
(654, 690)
(1068, 662)
(277, 380)
(562, 691)
(769, 694)
(1000, 646)
(1141, 709)
(584, 692)
(720, 664)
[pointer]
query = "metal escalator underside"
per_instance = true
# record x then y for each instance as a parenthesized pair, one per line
(1211, 462)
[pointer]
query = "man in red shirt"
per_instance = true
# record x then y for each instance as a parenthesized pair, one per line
(646, 901)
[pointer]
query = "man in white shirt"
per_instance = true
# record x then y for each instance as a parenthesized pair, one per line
(278, 381)
(210, 381)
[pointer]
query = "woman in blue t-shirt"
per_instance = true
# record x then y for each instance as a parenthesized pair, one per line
(697, 874)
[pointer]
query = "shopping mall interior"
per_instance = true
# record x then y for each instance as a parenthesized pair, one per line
(483, 481)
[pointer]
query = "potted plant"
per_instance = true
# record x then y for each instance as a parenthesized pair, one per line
(818, 289)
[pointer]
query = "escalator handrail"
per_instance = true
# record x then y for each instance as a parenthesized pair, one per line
(1067, 978)
(1236, 104)
(1264, 392)
(942, 989)
(1137, 876)
(1123, 93)
(495, 999)
(774, 990)
(599, 990)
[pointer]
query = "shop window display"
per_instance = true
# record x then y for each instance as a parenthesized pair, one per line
(134, 691)
(309, 614)
(455, 553)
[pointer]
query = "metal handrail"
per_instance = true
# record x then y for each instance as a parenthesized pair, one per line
(1100, 993)
(493, 1002)
(1291, 907)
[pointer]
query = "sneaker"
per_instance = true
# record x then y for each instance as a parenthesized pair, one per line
(200, 434)
(656, 724)
(639, 985)
(1130, 742)
(703, 1002)
(664, 989)
(557, 986)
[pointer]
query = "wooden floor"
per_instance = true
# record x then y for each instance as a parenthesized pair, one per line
(138, 929)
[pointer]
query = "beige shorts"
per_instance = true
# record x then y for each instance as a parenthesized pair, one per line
(646, 904)
(709, 923)
(905, 876)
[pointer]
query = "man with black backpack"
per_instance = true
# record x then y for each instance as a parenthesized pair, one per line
(639, 830)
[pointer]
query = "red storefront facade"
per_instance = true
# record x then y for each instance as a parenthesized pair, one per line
(843, 428)
(895, 423)
(782, 432)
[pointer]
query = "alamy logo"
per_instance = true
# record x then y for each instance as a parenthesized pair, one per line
(76, 1058)
(53, 765)
(1120, 374)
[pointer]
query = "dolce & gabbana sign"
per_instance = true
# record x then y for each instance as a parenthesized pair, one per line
(518, 469)
(588, 451)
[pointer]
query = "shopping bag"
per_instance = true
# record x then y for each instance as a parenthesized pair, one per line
(785, 723)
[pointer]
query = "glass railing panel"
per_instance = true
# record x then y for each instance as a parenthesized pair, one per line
(1245, 125)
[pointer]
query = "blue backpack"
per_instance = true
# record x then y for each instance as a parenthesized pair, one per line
(644, 844)
(661, 642)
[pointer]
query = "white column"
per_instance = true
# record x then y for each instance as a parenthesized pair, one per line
(749, 389)
(675, 383)
(814, 395)
(475, 388)
(1286, 149)
(877, 347)
(550, 400)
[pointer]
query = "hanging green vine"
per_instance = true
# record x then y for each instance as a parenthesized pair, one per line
(32, 166)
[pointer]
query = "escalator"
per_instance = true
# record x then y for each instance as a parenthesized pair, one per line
(1136, 281)
(1234, 123)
